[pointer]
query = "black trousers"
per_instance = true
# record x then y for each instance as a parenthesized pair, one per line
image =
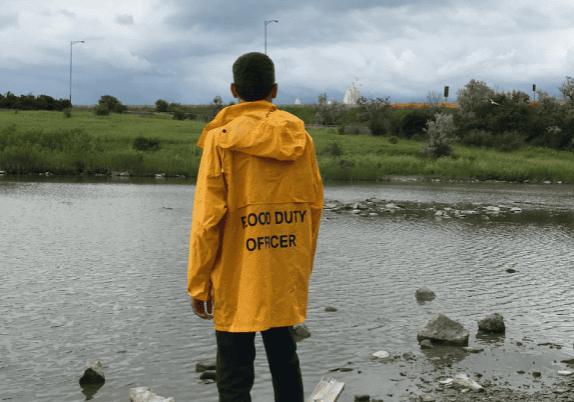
(235, 372)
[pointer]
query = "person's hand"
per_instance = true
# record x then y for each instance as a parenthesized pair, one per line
(199, 307)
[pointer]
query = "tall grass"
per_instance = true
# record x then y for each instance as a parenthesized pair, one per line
(41, 141)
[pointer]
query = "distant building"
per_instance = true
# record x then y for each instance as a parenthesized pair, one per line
(351, 95)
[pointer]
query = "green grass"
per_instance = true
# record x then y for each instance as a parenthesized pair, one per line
(101, 144)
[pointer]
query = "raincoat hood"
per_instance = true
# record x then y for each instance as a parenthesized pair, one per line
(259, 129)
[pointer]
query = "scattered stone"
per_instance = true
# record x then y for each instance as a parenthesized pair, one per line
(203, 365)
(536, 374)
(382, 354)
(492, 323)
(427, 398)
(426, 344)
(144, 394)
(424, 293)
(208, 374)
(494, 209)
(547, 182)
(472, 349)
(526, 181)
(93, 373)
(158, 175)
(300, 332)
(2, 172)
(329, 308)
(515, 210)
(510, 270)
(442, 329)
(558, 182)
(362, 398)
(565, 372)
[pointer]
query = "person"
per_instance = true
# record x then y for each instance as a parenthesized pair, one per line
(256, 216)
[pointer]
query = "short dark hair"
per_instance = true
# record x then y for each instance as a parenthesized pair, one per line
(254, 76)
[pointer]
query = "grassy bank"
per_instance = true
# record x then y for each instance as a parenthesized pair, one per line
(42, 141)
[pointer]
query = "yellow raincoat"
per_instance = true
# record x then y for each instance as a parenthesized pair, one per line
(256, 216)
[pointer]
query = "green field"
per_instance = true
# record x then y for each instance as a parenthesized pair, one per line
(43, 141)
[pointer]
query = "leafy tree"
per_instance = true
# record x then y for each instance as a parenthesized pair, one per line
(567, 90)
(112, 104)
(161, 106)
(474, 94)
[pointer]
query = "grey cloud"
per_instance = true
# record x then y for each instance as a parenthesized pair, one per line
(67, 13)
(7, 21)
(126, 19)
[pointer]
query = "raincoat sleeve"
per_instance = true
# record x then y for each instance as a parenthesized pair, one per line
(209, 209)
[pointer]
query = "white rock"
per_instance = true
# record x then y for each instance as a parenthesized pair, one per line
(373, 214)
(439, 213)
(2, 172)
(381, 354)
(390, 206)
(495, 209)
(462, 381)
(468, 212)
(547, 182)
(356, 211)
(565, 372)
(144, 394)
(447, 209)
(515, 209)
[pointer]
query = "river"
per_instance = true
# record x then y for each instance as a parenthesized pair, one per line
(96, 269)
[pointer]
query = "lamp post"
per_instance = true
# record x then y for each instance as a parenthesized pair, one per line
(267, 22)
(71, 43)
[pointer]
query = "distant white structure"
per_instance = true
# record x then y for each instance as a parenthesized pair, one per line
(297, 101)
(331, 101)
(352, 94)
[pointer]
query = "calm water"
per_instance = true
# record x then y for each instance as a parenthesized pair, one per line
(97, 270)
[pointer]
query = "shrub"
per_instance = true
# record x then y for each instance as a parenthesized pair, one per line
(377, 127)
(68, 112)
(478, 138)
(393, 139)
(102, 110)
(341, 128)
(333, 149)
(353, 128)
(509, 141)
(119, 108)
(146, 144)
(179, 114)
(441, 136)
(414, 122)
(161, 106)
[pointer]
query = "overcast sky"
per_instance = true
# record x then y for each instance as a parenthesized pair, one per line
(183, 51)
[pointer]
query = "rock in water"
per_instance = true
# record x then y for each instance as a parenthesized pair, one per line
(492, 323)
(93, 373)
(424, 293)
(300, 332)
(442, 329)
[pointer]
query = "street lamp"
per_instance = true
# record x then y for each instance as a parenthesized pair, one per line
(267, 22)
(71, 43)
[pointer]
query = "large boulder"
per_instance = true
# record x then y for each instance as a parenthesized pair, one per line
(492, 323)
(439, 328)
(93, 373)
(424, 293)
(144, 394)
